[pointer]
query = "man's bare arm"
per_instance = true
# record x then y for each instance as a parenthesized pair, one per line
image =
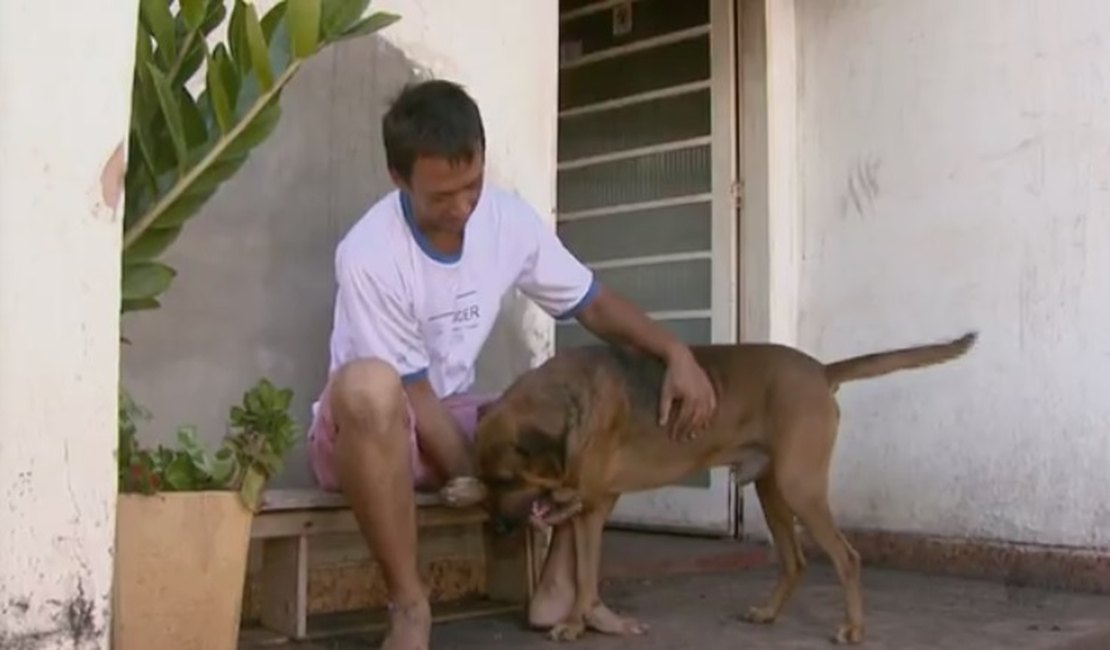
(441, 440)
(615, 319)
(620, 322)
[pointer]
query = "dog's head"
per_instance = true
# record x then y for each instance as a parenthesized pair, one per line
(520, 460)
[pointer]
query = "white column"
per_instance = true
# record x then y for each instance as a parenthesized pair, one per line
(65, 86)
(770, 221)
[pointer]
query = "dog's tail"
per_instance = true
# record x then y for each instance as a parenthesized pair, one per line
(882, 363)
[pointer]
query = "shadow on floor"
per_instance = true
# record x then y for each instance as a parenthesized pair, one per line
(904, 611)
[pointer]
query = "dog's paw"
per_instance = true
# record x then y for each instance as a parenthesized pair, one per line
(848, 634)
(567, 631)
(760, 615)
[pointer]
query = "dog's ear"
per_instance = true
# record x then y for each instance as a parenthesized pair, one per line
(540, 446)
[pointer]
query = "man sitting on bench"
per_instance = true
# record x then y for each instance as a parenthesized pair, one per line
(420, 279)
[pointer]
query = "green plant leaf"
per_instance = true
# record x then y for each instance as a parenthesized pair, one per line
(303, 20)
(171, 111)
(157, 17)
(152, 244)
(372, 23)
(272, 19)
(260, 128)
(253, 399)
(214, 18)
(148, 156)
(188, 147)
(179, 473)
(144, 280)
(187, 438)
(188, 64)
(221, 471)
(183, 209)
(336, 16)
(196, 131)
(224, 156)
(281, 54)
(276, 36)
(140, 304)
(194, 12)
(219, 96)
(228, 73)
(142, 89)
(259, 51)
(237, 37)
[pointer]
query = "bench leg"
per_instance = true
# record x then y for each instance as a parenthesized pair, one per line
(284, 586)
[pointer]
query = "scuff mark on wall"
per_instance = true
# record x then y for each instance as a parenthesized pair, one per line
(74, 624)
(863, 188)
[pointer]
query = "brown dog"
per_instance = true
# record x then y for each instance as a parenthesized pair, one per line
(582, 428)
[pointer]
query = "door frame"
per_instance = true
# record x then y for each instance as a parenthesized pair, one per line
(769, 231)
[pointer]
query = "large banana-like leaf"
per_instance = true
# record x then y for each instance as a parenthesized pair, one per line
(184, 147)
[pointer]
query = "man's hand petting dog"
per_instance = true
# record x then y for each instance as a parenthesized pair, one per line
(687, 402)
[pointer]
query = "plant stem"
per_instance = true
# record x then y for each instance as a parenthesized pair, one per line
(151, 215)
(180, 61)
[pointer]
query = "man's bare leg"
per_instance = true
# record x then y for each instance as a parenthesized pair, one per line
(555, 592)
(372, 458)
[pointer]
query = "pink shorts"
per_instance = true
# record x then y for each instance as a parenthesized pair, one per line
(322, 432)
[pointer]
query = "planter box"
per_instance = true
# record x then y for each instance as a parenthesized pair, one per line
(180, 564)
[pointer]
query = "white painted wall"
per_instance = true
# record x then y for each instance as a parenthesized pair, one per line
(65, 80)
(255, 291)
(954, 165)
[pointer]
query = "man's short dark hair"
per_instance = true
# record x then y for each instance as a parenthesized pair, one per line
(434, 119)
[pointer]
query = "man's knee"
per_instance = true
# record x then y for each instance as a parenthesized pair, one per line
(366, 393)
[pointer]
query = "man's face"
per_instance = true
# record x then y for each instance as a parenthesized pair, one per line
(444, 193)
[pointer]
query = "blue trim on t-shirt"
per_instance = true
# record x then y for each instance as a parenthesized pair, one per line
(582, 303)
(414, 376)
(421, 240)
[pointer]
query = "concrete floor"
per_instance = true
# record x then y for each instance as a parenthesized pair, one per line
(904, 611)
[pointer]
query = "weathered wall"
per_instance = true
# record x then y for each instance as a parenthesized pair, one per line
(954, 165)
(64, 96)
(255, 291)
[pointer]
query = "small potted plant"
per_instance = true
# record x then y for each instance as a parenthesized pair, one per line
(183, 519)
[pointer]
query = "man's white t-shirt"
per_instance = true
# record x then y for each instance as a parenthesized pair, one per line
(427, 313)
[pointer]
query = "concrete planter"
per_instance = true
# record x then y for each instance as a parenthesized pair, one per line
(180, 564)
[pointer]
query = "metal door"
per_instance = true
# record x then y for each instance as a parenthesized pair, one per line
(646, 178)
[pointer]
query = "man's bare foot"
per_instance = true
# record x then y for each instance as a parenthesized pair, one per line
(463, 492)
(606, 621)
(550, 606)
(409, 627)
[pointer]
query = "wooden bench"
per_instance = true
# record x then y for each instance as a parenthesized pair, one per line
(290, 519)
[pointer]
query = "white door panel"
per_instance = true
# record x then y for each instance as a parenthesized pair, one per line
(647, 153)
